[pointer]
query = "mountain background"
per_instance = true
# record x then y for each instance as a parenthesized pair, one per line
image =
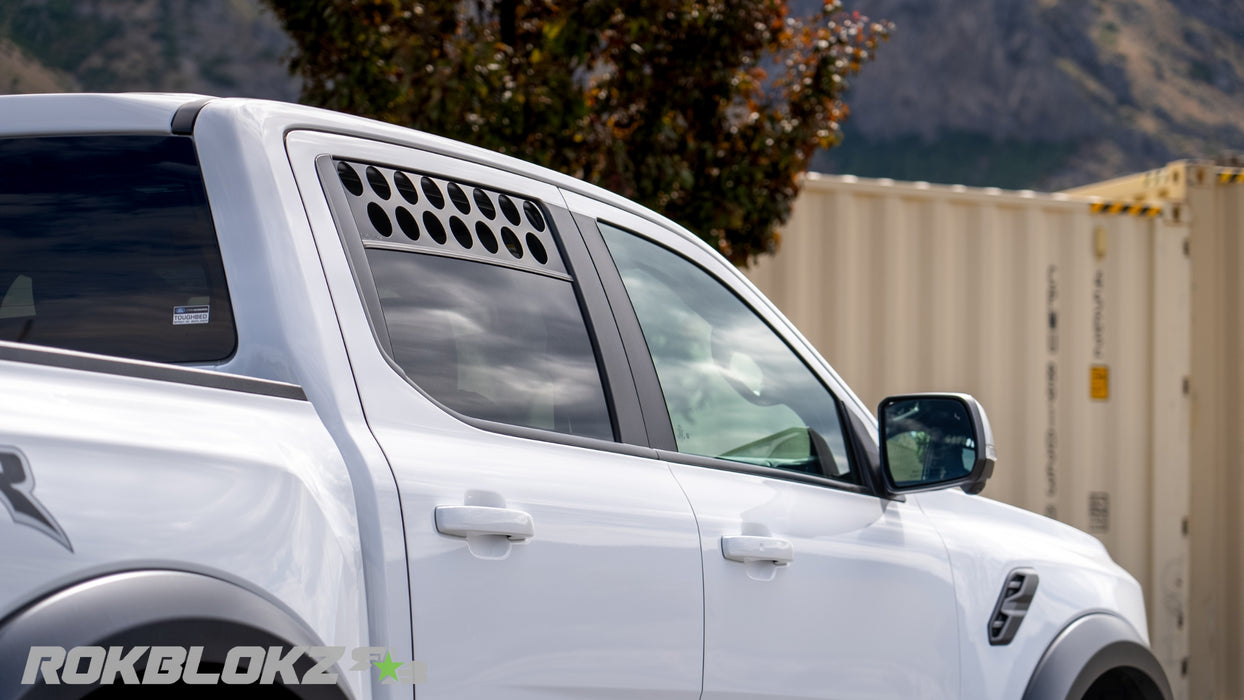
(215, 47)
(1045, 94)
(1021, 94)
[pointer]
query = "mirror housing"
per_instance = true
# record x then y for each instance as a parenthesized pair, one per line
(934, 441)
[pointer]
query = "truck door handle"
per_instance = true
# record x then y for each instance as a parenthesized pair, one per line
(748, 548)
(461, 521)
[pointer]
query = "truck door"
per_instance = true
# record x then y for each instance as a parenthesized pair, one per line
(551, 553)
(814, 587)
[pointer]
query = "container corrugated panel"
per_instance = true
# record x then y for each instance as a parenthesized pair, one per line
(1215, 212)
(1208, 201)
(1218, 317)
(1068, 325)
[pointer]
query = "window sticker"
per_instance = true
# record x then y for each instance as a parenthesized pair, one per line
(190, 315)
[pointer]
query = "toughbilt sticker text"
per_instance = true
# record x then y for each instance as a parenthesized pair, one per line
(191, 315)
(17, 486)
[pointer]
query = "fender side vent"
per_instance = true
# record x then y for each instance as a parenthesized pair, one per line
(1013, 603)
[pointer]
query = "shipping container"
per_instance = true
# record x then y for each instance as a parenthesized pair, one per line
(1208, 201)
(1100, 328)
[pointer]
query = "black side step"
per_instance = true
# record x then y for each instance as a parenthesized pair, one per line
(1013, 603)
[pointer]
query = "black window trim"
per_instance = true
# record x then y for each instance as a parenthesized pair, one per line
(652, 396)
(182, 123)
(758, 470)
(356, 256)
(622, 401)
(190, 375)
(621, 396)
(404, 248)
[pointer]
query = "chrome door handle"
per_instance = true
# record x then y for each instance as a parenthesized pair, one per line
(461, 521)
(748, 548)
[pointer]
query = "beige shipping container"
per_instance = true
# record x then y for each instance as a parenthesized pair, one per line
(1071, 320)
(1209, 201)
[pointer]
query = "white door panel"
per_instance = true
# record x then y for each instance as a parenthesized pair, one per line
(601, 600)
(865, 607)
(812, 587)
(550, 570)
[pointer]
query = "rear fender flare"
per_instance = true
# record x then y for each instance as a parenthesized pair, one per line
(155, 607)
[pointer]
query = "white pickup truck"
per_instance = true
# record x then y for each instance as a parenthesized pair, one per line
(298, 404)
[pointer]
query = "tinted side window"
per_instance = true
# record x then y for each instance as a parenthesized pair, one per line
(107, 246)
(733, 388)
(478, 306)
(492, 342)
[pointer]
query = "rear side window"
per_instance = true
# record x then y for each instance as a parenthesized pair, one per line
(492, 342)
(107, 246)
(478, 307)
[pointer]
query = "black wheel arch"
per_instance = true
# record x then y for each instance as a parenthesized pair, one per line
(154, 607)
(1097, 647)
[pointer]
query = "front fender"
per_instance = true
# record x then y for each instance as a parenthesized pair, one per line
(1088, 649)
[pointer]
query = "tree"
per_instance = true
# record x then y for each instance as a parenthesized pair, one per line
(705, 110)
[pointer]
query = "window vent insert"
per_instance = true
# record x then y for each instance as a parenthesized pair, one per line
(1012, 606)
(412, 210)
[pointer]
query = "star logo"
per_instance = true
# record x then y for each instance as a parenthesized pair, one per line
(388, 667)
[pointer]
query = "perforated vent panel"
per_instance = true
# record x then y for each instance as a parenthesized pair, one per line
(407, 209)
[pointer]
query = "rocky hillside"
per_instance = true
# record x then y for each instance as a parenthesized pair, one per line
(1012, 93)
(1045, 94)
(217, 47)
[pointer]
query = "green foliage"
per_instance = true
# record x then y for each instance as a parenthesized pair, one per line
(707, 111)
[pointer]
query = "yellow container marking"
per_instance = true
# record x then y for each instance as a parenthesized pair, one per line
(1099, 382)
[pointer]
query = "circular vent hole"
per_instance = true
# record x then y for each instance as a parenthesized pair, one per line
(484, 203)
(432, 192)
(459, 198)
(486, 237)
(511, 242)
(408, 224)
(379, 185)
(433, 226)
(406, 188)
(349, 178)
(534, 216)
(462, 234)
(537, 248)
(380, 219)
(508, 208)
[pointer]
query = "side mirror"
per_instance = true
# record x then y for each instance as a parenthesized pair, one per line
(935, 441)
